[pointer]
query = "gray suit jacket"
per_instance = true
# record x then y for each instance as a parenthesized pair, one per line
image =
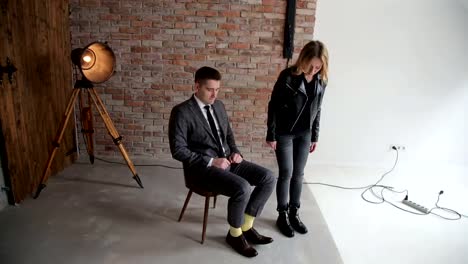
(190, 137)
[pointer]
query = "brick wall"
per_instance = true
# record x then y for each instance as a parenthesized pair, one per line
(160, 44)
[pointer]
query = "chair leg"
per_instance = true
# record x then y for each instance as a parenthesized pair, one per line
(205, 217)
(214, 201)
(185, 205)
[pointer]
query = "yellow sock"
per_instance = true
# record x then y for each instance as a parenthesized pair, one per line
(235, 231)
(248, 222)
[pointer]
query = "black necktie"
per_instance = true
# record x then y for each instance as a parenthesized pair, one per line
(214, 130)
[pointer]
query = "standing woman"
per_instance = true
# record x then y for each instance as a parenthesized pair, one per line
(293, 128)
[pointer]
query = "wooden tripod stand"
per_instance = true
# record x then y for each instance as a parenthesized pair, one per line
(93, 95)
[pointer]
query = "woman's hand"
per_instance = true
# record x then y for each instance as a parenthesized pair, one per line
(313, 145)
(272, 144)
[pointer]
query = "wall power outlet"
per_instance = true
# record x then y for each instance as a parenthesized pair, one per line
(398, 147)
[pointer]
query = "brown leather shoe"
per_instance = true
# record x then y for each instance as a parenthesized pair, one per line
(255, 238)
(241, 245)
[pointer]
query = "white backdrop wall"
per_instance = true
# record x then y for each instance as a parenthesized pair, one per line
(398, 75)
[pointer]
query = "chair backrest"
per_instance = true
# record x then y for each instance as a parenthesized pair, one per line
(188, 178)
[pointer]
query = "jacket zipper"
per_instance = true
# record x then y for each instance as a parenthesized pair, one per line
(287, 85)
(297, 119)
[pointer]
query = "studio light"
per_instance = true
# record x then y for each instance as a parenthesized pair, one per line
(96, 63)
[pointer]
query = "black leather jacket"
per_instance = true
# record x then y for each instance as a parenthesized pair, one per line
(287, 102)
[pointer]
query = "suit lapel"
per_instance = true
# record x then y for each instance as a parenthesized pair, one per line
(200, 117)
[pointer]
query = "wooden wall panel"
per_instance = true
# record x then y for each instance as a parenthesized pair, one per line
(38, 43)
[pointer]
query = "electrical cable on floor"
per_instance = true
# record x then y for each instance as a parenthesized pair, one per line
(381, 198)
(139, 165)
(369, 188)
(361, 187)
(122, 163)
(136, 165)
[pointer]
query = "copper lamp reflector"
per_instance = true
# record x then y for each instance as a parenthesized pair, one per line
(96, 61)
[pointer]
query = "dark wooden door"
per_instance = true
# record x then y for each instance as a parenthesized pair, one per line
(35, 38)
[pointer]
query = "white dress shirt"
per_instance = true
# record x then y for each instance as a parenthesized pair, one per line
(203, 110)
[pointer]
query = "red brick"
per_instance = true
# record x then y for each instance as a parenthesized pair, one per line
(239, 45)
(217, 33)
(184, 25)
(129, 30)
(195, 57)
(134, 103)
(229, 13)
(229, 26)
(207, 13)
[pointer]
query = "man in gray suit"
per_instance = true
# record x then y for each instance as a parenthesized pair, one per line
(201, 138)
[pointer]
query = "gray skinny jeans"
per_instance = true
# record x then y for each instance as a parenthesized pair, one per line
(291, 153)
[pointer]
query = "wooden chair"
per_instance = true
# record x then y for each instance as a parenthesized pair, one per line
(198, 190)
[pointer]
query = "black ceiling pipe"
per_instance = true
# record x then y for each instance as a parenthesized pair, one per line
(289, 26)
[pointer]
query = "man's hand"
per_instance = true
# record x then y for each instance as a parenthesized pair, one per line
(235, 158)
(221, 163)
(313, 145)
(272, 144)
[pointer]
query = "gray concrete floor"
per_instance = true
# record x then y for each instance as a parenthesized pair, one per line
(97, 214)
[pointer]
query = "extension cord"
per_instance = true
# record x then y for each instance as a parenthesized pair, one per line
(416, 206)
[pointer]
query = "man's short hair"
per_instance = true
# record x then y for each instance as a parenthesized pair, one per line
(207, 73)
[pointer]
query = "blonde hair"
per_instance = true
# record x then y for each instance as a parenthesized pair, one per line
(313, 49)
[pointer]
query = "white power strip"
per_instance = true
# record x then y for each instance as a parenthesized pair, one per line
(416, 206)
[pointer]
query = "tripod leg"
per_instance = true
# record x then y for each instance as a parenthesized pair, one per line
(113, 132)
(57, 140)
(87, 125)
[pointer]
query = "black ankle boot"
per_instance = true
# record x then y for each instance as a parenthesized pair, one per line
(283, 224)
(295, 221)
